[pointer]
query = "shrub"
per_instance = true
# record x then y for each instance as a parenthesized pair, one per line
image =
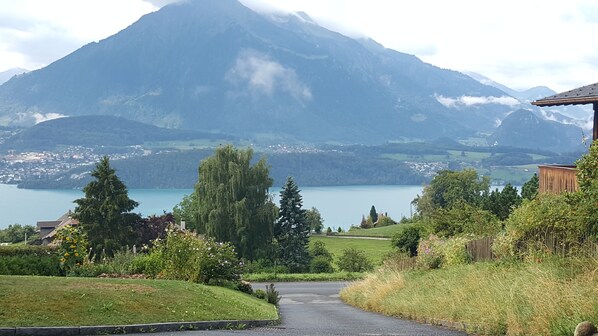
(464, 219)
(384, 220)
(218, 261)
(185, 256)
(260, 294)
(150, 264)
(320, 264)
(407, 238)
(538, 223)
(29, 260)
(429, 253)
(72, 246)
(321, 258)
(436, 252)
(318, 248)
(245, 287)
(263, 266)
(354, 260)
(272, 295)
(454, 252)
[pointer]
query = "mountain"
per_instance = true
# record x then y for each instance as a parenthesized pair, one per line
(91, 131)
(217, 66)
(523, 128)
(10, 73)
(573, 114)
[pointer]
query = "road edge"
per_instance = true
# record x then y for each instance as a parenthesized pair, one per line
(136, 328)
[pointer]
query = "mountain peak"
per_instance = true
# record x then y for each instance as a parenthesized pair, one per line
(216, 65)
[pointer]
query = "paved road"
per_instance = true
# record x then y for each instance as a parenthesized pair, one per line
(314, 308)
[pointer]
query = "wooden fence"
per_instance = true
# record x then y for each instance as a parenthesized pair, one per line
(548, 242)
(481, 250)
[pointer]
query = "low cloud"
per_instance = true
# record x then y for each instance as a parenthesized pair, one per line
(161, 3)
(40, 117)
(466, 101)
(263, 76)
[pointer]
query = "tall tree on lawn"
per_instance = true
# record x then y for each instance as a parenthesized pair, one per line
(292, 229)
(234, 201)
(104, 212)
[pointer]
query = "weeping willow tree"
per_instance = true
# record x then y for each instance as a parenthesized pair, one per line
(234, 201)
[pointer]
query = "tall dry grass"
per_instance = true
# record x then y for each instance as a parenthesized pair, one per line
(489, 298)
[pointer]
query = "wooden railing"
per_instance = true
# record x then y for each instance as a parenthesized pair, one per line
(557, 179)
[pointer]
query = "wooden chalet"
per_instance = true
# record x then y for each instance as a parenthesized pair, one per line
(48, 229)
(558, 179)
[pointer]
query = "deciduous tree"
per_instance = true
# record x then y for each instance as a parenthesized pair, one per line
(314, 220)
(234, 201)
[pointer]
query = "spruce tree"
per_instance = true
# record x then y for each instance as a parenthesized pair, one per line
(104, 212)
(530, 188)
(373, 214)
(292, 230)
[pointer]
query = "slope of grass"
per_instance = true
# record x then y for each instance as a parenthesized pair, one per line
(50, 301)
(550, 298)
(375, 249)
(385, 231)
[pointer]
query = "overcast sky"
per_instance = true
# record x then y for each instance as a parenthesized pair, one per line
(519, 43)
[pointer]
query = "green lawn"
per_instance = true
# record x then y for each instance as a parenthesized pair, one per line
(518, 175)
(385, 231)
(375, 249)
(57, 301)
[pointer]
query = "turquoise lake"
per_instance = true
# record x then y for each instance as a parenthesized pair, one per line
(340, 205)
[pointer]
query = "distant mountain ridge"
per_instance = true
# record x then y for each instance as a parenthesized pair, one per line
(525, 127)
(10, 73)
(217, 66)
(563, 114)
(92, 131)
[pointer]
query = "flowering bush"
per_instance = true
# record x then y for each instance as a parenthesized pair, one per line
(436, 252)
(429, 252)
(72, 247)
(218, 261)
(455, 252)
(184, 255)
(179, 253)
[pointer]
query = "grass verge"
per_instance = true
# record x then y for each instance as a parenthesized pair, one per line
(336, 276)
(550, 298)
(56, 301)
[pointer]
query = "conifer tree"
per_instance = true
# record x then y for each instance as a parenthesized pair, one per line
(530, 188)
(104, 212)
(373, 214)
(292, 230)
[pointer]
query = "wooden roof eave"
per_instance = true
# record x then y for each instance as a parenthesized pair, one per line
(565, 101)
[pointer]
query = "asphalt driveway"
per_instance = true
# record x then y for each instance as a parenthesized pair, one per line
(314, 308)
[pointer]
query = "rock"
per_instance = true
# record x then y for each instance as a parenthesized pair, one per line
(585, 328)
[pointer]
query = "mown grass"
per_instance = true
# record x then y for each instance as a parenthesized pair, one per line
(375, 249)
(57, 301)
(550, 298)
(384, 232)
(284, 277)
